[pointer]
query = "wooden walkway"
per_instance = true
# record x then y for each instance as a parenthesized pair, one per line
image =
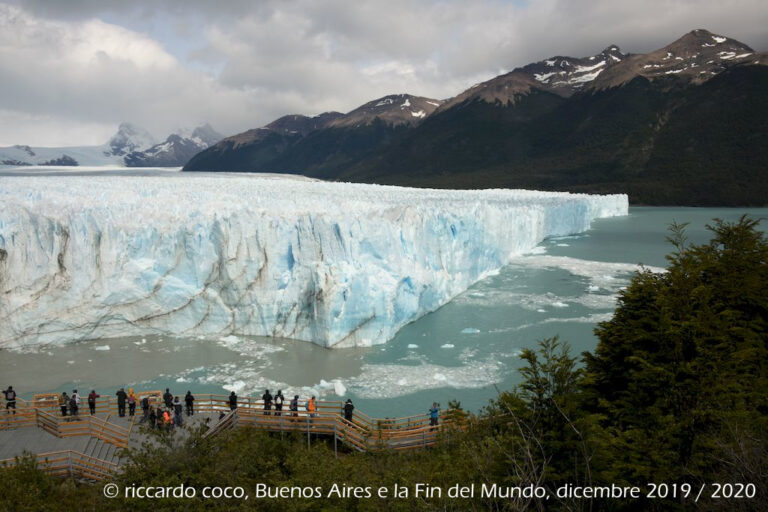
(88, 447)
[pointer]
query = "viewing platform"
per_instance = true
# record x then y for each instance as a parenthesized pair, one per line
(89, 446)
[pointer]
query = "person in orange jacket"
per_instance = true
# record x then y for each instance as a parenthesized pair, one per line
(312, 407)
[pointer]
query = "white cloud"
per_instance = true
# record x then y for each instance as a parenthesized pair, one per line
(91, 64)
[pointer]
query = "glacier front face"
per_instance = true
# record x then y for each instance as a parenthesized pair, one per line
(337, 264)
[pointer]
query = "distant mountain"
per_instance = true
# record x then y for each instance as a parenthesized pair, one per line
(560, 75)
(325, 143)
(686, 124)
(131, 146)
(129, 138)
(176, 150)
(696, 57)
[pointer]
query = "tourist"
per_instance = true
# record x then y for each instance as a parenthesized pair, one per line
(152, 416)
(168, 419)
(76, 396)
(267, 397)
(122, 396)
(434, 414)
(10, 399)
(312, 407)
(168, 398)
(348, 408)
(160, 420)
(221, 415)
(144, 408)
(189, 401)
(177, 416)
(295, 406)
(131, 402)
(63, 402)
(232, 401)
(92, 396)
(279, 399)
(73, 405)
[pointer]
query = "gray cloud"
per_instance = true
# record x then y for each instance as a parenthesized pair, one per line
(90, 64)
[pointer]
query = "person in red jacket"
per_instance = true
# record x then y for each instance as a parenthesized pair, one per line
(92, 396)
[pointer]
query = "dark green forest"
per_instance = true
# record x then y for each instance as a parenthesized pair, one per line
(676, 393)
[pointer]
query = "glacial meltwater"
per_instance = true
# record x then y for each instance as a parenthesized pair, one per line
(466, 350)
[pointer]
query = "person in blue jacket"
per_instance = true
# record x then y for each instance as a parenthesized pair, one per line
(434, 414)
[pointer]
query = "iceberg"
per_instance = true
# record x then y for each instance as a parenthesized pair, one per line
(337, 264)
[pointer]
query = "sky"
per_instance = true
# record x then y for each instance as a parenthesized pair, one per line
(71, 71)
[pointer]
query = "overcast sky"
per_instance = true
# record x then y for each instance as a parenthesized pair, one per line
(70, 71)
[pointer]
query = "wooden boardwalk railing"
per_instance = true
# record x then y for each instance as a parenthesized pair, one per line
(359, 436)
(362, 433)
(69, 426)
(72, 463)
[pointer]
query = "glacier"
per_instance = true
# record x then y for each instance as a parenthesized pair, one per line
(337, 264)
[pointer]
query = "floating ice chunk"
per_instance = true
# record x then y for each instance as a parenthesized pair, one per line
(70, 362)
(236, 386)
(559, 304)
(440, 377)
(470, 330)
(413, 345)
(101, 347)
(593, 288)
(339, 388)
(447, 345)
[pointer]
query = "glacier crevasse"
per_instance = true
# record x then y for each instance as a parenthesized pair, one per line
(332, 263)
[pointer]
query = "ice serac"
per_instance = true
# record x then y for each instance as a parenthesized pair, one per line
(336, 264)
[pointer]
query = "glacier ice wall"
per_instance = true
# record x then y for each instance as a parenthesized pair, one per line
(333, 263)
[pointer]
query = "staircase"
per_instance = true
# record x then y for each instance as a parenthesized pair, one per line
(98, 449)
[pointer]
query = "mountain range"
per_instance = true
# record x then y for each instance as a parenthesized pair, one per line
(131, 146)
(686, 124)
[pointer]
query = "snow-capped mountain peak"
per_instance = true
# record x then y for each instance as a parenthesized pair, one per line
(566, 75)
(129, 138)
(176, 150)
(696, 56)
(393, 109)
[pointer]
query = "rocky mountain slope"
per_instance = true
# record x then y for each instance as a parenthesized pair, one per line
(295, 143)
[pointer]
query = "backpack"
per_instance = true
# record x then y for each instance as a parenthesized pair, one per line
(72, 403)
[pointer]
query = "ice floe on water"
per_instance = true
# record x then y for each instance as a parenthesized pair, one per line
(470, 330)
(249, 347)
(602, 274)
(588, 319)
(391, 380)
